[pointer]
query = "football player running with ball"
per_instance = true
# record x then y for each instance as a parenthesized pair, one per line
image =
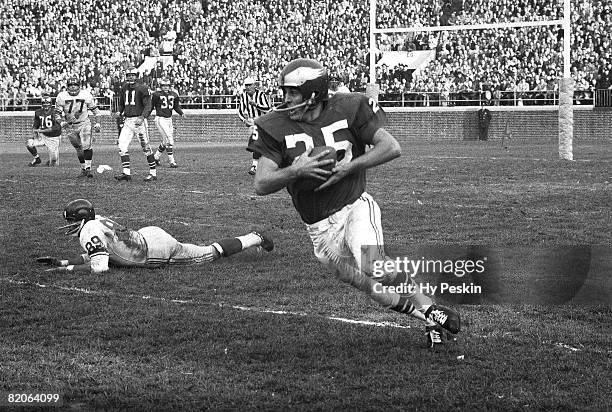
(75, 105)
(106, 243)
(135, 106)
(341, 217)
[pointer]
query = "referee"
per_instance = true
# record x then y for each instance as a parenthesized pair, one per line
(252, 103)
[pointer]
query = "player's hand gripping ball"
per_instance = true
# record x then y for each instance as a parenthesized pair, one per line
(311, 183)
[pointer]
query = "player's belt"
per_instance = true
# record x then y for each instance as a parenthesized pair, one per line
(73, 123)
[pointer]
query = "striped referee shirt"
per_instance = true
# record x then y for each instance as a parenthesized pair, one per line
(247, 111)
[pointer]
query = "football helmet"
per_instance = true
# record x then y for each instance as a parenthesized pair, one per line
(164, 84)
(131, 75)
(77, 213)
(73, 86)
(45, 101)
(309, 77)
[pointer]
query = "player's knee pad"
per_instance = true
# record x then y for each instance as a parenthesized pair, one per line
(123, 152)
(30, 143)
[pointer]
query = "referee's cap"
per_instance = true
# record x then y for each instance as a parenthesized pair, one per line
(248, 81)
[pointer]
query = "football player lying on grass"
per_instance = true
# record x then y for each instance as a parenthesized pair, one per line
(107, 242)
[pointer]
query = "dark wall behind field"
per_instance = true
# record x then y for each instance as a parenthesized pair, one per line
(224, 126)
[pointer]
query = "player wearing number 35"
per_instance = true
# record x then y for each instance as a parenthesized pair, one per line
(107, 242)
(341, 217)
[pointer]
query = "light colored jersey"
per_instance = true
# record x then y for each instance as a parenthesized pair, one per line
(106, 241)
(76, 106)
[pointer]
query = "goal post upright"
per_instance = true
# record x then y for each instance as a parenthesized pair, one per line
(566, 83)
(566, 92)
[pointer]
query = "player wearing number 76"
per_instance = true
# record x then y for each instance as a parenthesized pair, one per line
(342, 219)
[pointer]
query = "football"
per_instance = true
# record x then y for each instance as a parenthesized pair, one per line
(311, 183)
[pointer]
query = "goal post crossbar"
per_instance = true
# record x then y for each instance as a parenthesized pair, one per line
(483, 26)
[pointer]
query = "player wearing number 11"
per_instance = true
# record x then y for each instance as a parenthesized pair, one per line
(342, 219)
(135, 106)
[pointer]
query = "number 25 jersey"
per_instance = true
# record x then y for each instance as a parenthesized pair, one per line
(347, 122)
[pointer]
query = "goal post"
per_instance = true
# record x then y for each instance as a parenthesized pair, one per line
(566, 83)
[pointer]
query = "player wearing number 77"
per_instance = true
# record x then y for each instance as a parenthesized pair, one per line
(107, 242)
(75, 105)
(342, 219)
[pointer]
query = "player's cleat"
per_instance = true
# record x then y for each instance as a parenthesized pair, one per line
(150, 178)
(253, 170)
(266, 242)
(84, 173)
(157, 162)
(434, 337)
(35, 162)
(173, 165)
(123, 177)
(50, 163)
(445, 317)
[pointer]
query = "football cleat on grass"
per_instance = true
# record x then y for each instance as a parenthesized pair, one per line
(123, 177)
(35, 162)
(150, 178)
(85, 173)
(445, 317)
(173, 165)
(266, 242)
(253, 170)
(434, 337)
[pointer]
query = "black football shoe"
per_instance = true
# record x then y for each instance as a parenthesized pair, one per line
(35, 162)
(445, 317)
(266, 242)
(253, 170)
(123, 177)
(150, 178)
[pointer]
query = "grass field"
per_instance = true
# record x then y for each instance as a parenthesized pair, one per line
(276, 331)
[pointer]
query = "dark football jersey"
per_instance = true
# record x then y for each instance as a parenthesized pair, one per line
(348, 122)
(47, 119)
(135, 100)
(165, 102)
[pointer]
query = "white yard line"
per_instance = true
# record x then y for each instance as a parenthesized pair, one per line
(200, 303)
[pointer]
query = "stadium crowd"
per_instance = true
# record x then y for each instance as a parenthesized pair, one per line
(214, 44)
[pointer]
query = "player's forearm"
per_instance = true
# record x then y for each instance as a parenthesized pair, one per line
(385, 149)
(272, 181)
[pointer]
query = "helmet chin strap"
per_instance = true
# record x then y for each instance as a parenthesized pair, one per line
(307, 103)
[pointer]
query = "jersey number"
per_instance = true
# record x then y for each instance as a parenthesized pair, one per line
(167, 102)
(130, 97)
(328, 134)
(94, 245)
(46, 121)
(79, 102)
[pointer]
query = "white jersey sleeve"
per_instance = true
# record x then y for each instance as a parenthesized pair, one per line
(93, 239)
